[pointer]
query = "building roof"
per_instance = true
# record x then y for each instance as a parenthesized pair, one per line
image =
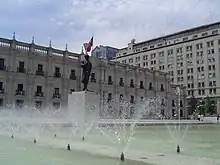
(183, 32)
(104, 47)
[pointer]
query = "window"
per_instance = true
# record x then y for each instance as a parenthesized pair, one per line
(138, 59)
(173, 103)
(57, 70)
(21, 68)
(185, 38)
(1, 85)
(56, 105)
(161, 87)
(73, 74)
(56, 90)
(173, 112)
(195, 36)
(38, 104)
(150, 86)
(204, 34)
(39, 89)
(130, 60)
(40, 68)
(141, 84)
(215, 32)
(110, 82)
(121, 83)
(181, 103)
(1, 102)
(121, 97)
(21, 64)
(109, 97)
(2, 64)
(132, 83)
(19, 103)
(132, 99)
(181, 113)
(109, 78)
(20, 87)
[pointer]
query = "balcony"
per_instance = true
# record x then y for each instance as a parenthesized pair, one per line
(40, 73)
(162, 89)
(162, 104)
(56, 95)
(110, 82)
(150, 88)
(131, 85)
(57, 74)
(2, 91)
(121, 84)
(19, 92)
(141, 86)
(21, 70)
(109, 99)
(72, 77)
(39, 94)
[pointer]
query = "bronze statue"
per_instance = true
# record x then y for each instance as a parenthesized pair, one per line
(87, 68)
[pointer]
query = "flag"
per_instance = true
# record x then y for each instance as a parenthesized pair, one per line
(88, 46)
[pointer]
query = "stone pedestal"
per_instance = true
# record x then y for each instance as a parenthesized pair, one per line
(84, 106)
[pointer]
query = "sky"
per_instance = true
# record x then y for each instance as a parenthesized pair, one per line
(111, 22)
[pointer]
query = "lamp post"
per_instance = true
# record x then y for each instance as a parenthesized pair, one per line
(178, 107)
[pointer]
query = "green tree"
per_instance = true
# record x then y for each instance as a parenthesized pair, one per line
(192, 105)
(210, 106)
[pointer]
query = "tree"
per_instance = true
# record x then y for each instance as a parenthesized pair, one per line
(210, 106)
(192, 105)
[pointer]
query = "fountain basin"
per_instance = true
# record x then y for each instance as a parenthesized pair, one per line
(150, 142)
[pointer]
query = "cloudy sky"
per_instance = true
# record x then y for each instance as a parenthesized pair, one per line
(111, 22)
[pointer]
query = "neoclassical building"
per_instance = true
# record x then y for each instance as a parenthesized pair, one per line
(42, 76)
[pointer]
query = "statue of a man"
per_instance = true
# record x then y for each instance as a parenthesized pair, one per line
(87, 68)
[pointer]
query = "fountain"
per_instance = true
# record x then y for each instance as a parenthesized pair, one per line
(116, 115)
(135, 132)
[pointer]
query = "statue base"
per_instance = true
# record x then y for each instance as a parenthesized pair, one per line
(84, 105)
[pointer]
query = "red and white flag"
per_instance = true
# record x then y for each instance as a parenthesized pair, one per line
(88, 46)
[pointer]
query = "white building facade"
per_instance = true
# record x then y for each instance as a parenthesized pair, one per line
(191, 58)
(41, 76)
